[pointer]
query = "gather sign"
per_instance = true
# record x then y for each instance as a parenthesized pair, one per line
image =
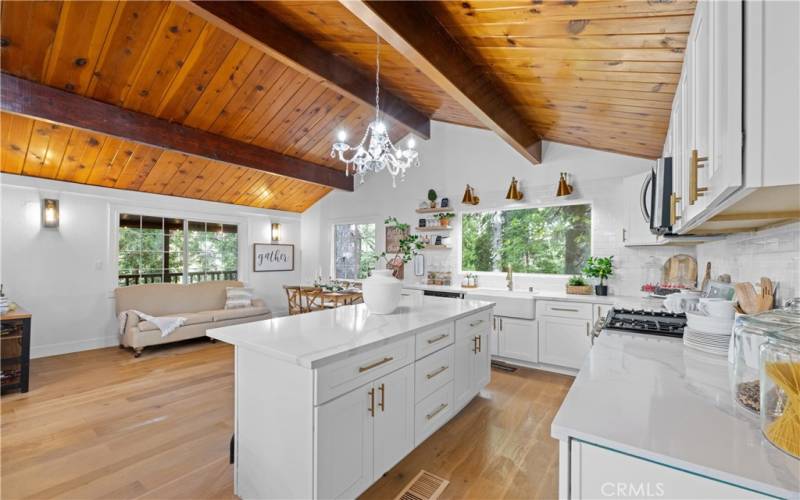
(273, 257)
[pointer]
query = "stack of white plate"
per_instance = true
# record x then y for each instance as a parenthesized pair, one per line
(707, 333)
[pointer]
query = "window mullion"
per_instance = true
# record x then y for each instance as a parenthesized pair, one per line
(185, 251)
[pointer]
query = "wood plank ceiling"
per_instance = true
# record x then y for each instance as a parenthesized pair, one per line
(594, 73)
(158, 58)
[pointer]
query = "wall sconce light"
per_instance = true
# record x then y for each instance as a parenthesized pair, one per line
(50, 213)
(469, 196)
(564, 189)
(276, 231)
(513, 190)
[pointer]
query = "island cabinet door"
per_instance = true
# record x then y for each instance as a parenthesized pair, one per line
(464, 374)
(394, 419)
(344, 444)
(481, 358)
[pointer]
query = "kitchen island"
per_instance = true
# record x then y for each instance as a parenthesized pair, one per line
(648, 417)
(327, 402)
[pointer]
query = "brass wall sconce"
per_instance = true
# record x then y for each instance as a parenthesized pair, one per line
(50, 213)
(513, 190)
(276, 231)
(564, 189)
(470, 198)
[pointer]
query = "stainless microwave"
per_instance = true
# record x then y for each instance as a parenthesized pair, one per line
(655, 197)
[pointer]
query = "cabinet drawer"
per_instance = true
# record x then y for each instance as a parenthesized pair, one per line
(434, 339)
(474, 323)
(433, 412)
(580, 310)
(342, 376)
(433, 372)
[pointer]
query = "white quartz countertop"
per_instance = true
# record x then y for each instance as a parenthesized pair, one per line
(651, 397)
(315, 339)
(620, 300)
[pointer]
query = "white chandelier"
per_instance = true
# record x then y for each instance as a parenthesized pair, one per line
(381, 153)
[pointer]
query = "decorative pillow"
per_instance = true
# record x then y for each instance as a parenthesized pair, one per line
(238, 297)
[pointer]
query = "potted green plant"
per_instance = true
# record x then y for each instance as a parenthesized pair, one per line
(432, 197)
(444, 218)
(576, 285)
(599, 267)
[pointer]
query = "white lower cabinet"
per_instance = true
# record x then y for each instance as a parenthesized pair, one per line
(393, 434)
(564, 341)
(518, 339)
(472, 363)
(597, 472)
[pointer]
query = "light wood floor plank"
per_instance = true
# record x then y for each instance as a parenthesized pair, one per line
(102, 424)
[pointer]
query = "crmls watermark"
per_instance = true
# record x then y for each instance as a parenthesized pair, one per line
(637, 490)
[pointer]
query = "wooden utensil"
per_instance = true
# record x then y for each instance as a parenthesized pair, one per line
(752, 302)
(706, 277)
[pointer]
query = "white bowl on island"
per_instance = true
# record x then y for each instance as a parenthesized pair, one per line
(382, 292)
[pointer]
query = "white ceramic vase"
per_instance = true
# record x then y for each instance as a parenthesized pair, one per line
(382, 292)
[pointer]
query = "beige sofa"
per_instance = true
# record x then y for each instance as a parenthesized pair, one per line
(202, 304)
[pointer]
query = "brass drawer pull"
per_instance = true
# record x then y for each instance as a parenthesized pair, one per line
(437, 339)
(436, 372)
(436, 411)
(362, 369)
(472, 325)
(564, 309)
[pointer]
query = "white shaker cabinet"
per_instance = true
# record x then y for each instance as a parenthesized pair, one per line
(518, 339)
(394, 419)
(564, 341)
(472, 371)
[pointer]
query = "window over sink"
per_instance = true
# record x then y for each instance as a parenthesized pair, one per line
(543, 240)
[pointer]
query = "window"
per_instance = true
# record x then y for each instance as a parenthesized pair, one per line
(166, 250)
(548, 240)
(353, 250)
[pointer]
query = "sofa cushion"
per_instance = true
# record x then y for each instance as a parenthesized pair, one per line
(242, 312)
(191, 319)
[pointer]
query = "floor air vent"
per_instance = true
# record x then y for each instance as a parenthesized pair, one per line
(425, 486)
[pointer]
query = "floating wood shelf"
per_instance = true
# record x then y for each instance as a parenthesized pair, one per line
(437, 247)
(434, 228)
(437, 210)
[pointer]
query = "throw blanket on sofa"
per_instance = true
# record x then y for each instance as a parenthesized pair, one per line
(167, 324)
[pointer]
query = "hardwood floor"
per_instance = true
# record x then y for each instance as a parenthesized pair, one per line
(101, 424)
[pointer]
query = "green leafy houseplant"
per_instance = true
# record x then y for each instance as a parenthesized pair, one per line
(576, 280)
(444, 218)
(599, 267)
(408, 246)
(432, 197)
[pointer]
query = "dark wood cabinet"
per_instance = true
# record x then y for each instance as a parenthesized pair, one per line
(15, 350)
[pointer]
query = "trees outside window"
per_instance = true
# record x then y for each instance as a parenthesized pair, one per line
(353, 250)
(547, 240)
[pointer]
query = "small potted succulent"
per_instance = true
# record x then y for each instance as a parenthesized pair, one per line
(432, 197)
(444, 218)
(576, 285)
(599, 267)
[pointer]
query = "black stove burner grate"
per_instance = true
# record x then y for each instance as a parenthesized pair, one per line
(644, 321)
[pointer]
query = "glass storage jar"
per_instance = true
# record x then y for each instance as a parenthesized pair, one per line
(780, 388)
(749, 334)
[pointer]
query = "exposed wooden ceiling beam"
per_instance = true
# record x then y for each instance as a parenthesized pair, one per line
(415, 33)
(32, 99)
(247, 21)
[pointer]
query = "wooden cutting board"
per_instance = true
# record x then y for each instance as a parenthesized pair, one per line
(680, 270)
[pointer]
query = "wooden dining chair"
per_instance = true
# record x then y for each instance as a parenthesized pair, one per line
(294, 298)
(311, 299)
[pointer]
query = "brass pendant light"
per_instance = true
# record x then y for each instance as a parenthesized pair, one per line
(564, 189)
(513, 190)
(469, 196)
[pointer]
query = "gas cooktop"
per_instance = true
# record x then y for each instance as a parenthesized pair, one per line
(645, 321)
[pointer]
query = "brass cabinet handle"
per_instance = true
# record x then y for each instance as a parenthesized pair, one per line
(475, 345)
(494, 324)
(501, 324)
(673, 209)
(436, 372)
(563, 309)
(436, 411)
(371, 408)
(382, 404)
(476, 323)
(362, 369)
(480, 343)
(437, 339)
(587, 328)
(695, 162)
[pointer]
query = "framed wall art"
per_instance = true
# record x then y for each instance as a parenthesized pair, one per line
(268, 257)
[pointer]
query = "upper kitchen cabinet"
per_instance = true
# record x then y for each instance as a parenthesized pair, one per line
(735, 121)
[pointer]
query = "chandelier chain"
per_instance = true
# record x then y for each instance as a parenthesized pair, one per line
(378, 78)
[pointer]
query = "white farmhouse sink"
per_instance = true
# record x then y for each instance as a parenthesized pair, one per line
(516, 304)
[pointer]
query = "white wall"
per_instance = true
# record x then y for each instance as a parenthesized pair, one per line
(455, 156)
(66, 276)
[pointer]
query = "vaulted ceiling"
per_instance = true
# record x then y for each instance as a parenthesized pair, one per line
(281, 77)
